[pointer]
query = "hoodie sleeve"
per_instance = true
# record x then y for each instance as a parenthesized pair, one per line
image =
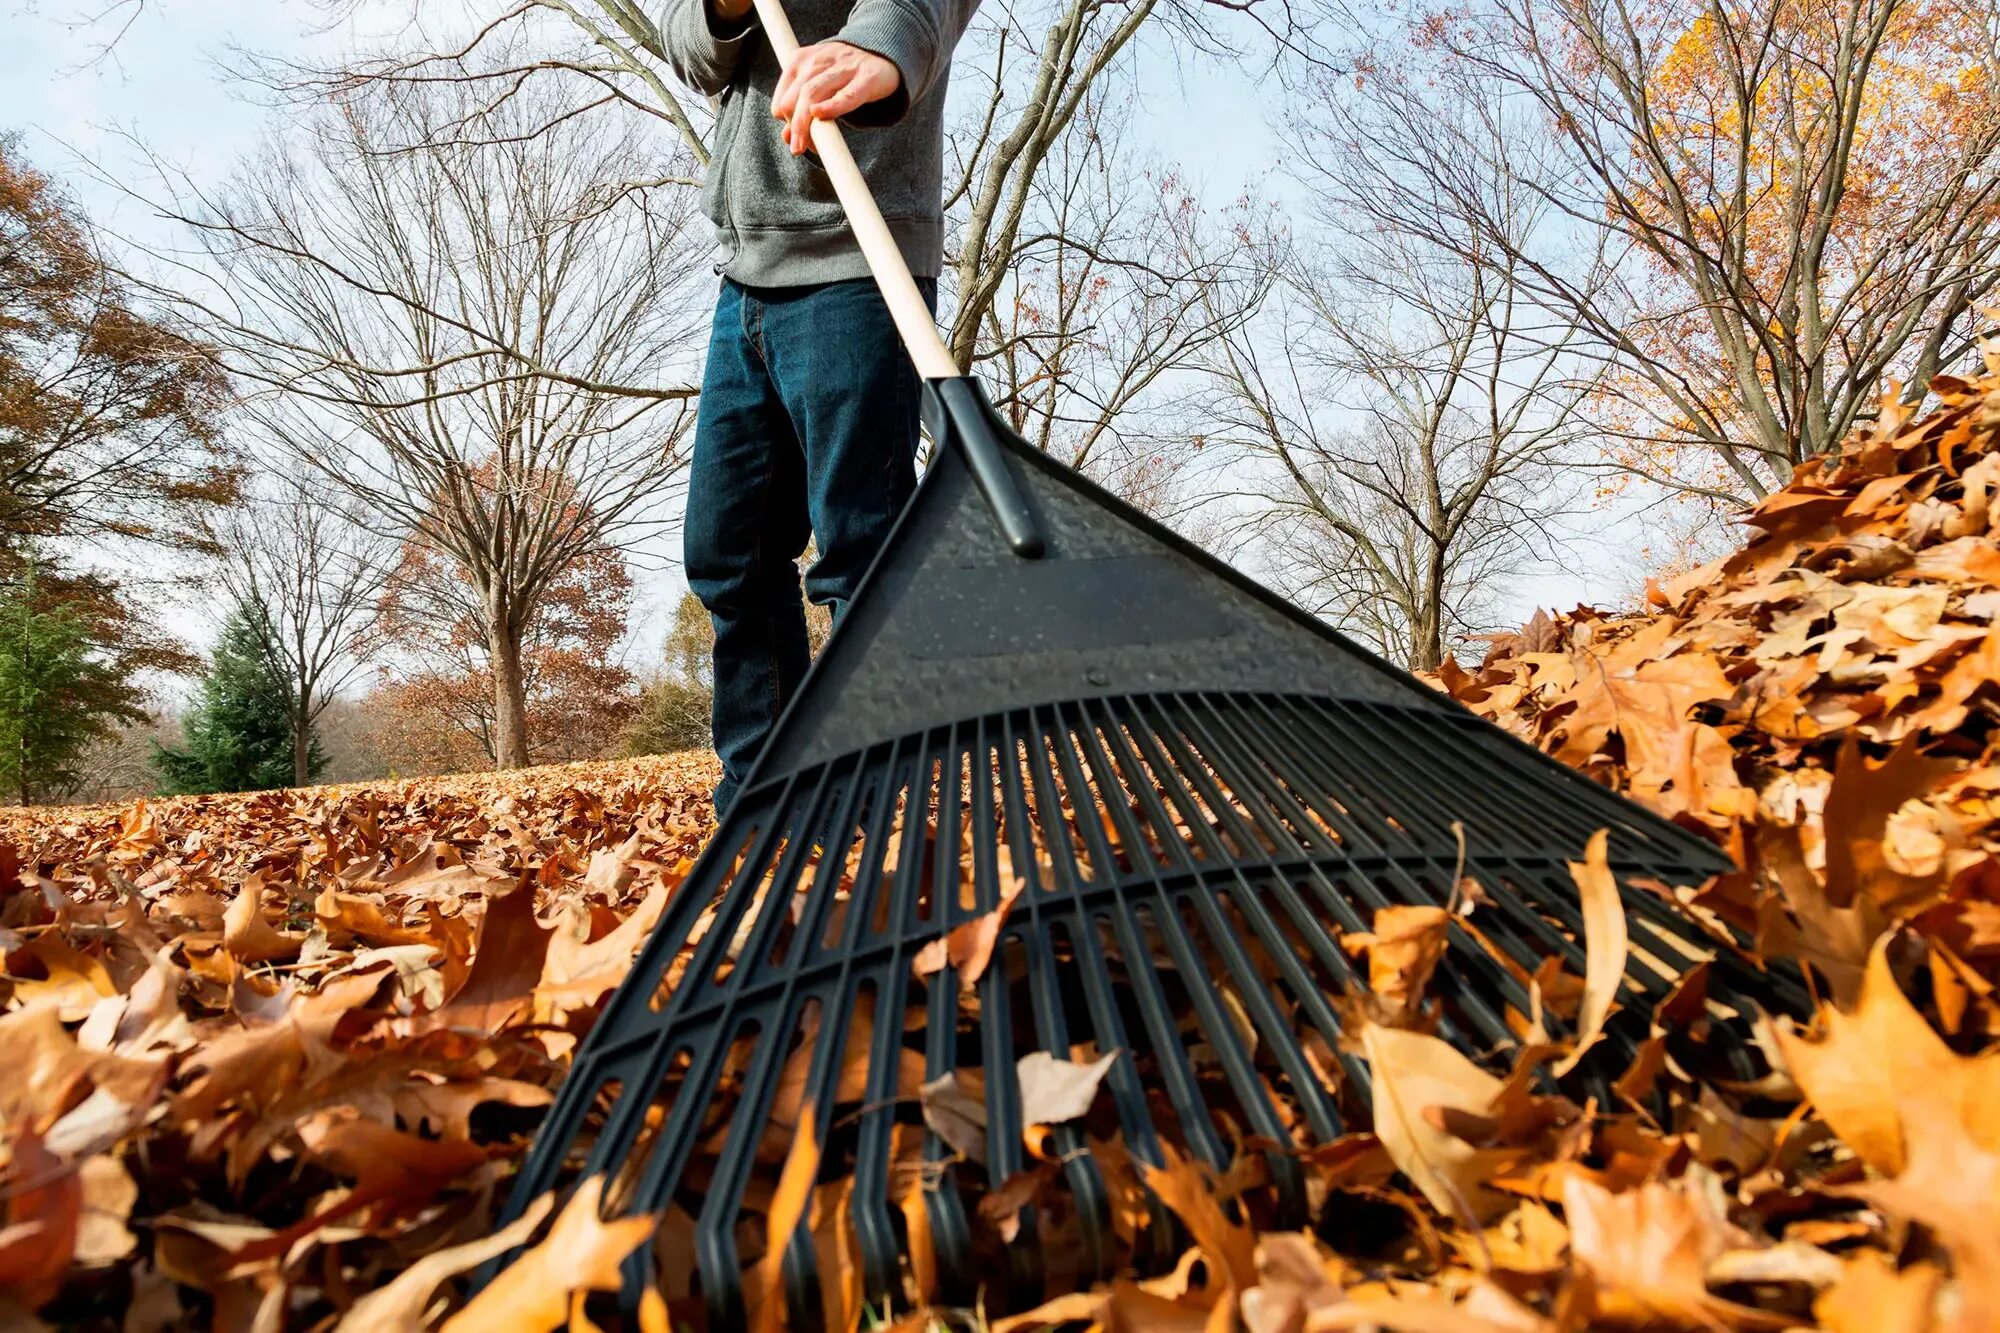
(916, 36)
(702, 49)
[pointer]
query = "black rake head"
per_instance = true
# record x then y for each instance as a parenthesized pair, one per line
(1174, 794)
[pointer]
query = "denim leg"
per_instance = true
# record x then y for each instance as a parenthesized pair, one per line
(746, 526)
(852, 396)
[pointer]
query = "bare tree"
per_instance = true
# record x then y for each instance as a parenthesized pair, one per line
(1400, 423)
(306, 570)
(1109, 304)
(1758, 212)
(459, 313)
(119, 766)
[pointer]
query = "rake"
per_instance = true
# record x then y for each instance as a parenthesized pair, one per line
(1182, 789)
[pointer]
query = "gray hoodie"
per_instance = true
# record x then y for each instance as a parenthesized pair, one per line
(776, 216)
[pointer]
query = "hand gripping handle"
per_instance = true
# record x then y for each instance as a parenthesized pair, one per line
(968, 420)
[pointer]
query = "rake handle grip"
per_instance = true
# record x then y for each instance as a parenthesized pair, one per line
(967, 415)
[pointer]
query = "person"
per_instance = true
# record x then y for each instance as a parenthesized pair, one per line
(808, 419)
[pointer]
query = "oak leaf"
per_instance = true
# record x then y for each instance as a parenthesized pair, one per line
(1859, 1070)
(1403, 949)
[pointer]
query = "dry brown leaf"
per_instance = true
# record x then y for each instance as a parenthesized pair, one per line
(1053, 1091)
(1950, 1182)
(1647, 1251)
(1403, 950)
(1430, 1316)
(247, 936)
(1130, 1308)
(1872, 1296)
(1229, 1247)
(1003, 1204)
(968, 946)
(38, 1229)
(788, 1207)
(403, 1303)
(570, 960)
(1054, 1313)
(1294, 1279)
(1604, 935)
(954, 1107)
(922, 1246)
(72, 982)
(1859, 805)
(1860, 1069)
(580, 1253)
(507, 961)
(1800, 921)
(102, 1236)
(1415, 1075)
(52, 1072)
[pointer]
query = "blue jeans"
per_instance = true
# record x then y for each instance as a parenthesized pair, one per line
(807, 429)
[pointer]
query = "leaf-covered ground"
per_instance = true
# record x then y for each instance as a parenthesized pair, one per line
(274, 1057)
(275, 1049)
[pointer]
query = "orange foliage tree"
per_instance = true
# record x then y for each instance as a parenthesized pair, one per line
(109, 414)
(1826, 174)
(1759, 210)
(441, 713)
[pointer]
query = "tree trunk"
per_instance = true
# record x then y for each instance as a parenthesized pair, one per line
(510, 698)
(1429, 627)
(301, 751)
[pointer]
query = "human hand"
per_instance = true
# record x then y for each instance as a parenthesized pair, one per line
(826, 81)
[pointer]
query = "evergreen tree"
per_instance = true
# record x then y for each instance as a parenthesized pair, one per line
(59, 690)
(238, 737)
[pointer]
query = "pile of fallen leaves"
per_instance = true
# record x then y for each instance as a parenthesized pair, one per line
(1823, 704)
(276, 1057)
(269, 1052)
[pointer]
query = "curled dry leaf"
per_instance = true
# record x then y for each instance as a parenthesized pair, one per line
(247, 936)
(968, 946)
(1868, 1061)
(788, 1206)
(1403, 950)
(1605, 940)
(509, 954)
(581, 1253)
